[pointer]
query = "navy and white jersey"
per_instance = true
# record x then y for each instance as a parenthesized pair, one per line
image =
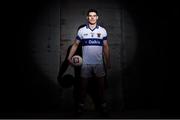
(92, 44)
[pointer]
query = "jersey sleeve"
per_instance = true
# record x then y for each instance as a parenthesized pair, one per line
(104, 34)
(79, 35)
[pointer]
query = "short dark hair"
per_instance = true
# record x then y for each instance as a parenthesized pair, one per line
(92, 10)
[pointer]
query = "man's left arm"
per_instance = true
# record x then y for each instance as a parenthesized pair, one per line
(107, 54)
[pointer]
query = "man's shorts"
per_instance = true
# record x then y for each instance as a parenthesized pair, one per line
(90, 70)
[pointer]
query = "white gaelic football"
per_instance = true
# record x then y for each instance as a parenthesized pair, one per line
(77, 60)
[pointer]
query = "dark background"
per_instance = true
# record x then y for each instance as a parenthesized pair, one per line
(19, 73)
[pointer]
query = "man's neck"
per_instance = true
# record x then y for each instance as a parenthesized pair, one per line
(92, 26)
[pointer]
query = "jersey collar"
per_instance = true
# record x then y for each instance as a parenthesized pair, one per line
(87, 26)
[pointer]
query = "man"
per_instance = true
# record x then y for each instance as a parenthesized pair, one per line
(77, 70)
(94, 45)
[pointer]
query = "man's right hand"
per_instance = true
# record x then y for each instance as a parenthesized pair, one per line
(70, 61)
(73, 50)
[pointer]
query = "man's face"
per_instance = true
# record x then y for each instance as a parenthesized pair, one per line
(92, 18)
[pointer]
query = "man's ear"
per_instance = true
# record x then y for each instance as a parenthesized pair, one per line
(97, 17)
(87, 17)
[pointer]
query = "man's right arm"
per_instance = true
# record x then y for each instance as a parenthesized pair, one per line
(73, 50)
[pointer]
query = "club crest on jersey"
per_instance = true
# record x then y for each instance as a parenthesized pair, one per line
(98, 34)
